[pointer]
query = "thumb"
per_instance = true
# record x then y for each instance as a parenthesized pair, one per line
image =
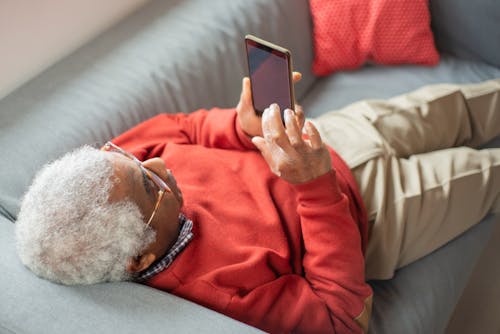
(246, 92)
(296, 77)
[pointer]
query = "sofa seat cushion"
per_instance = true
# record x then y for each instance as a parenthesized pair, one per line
(382, 82)
(33, 305)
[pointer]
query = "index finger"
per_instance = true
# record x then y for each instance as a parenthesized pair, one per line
(272, 127)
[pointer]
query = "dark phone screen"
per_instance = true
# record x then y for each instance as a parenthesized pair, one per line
(269, 76)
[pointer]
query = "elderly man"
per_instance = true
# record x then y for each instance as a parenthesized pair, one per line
(272, 226)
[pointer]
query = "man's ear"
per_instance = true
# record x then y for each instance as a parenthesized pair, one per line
(140, 263)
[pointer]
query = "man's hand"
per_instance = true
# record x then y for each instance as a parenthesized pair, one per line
(289, 156)
(250, 123)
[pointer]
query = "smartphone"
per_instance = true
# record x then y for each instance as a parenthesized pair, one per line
(270, 72)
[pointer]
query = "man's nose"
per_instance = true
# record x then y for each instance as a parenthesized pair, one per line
(156, 165)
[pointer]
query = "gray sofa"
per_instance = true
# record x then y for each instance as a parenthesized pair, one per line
(177, 56)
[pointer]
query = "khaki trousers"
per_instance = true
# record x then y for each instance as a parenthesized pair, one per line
(416, 163)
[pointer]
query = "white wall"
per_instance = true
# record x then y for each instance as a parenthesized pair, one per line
(34, 34)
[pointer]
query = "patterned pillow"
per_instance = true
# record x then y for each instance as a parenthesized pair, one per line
(349, 33)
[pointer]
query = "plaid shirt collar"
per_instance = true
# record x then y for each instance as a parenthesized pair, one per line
(185, 236)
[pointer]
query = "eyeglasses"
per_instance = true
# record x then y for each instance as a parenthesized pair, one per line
(157, 181)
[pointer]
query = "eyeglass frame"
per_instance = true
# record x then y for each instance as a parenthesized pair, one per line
(157, 180)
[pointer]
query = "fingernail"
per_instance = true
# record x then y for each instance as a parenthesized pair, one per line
(271, 110)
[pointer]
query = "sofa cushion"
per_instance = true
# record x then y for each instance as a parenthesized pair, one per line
(349, 33)
(467, 29)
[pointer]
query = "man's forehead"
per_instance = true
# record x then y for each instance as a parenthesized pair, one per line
(124, 175)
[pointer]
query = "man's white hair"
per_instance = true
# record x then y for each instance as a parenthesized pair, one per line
(69, 232)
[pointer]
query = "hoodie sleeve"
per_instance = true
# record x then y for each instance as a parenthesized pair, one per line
(216, 128)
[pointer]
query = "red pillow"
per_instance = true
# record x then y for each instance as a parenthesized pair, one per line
(348, 33)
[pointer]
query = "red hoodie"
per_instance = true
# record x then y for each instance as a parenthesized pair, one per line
(280, 257)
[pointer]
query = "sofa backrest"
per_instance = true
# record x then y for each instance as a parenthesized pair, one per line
(468, 29)
(170, 56)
